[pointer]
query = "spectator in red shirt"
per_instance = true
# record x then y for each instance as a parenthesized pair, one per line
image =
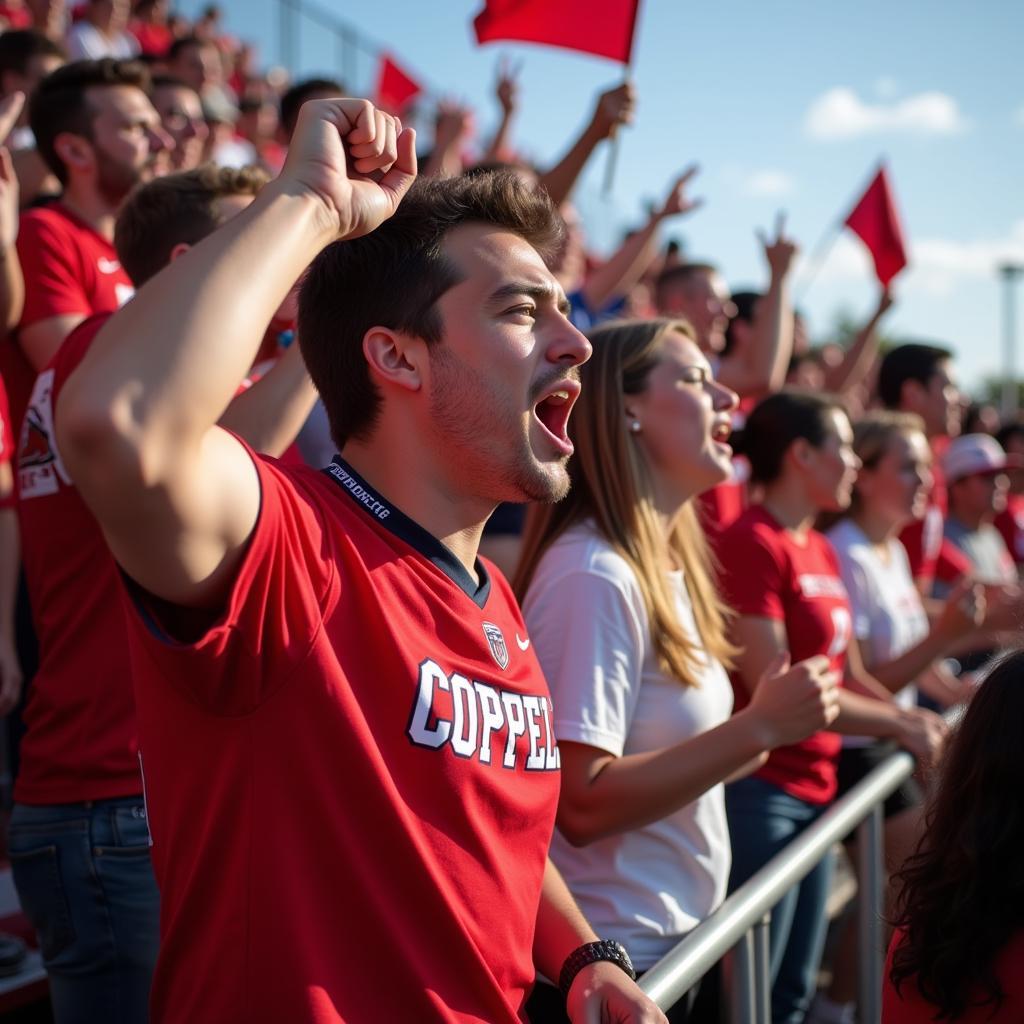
(1010, 522)
(99, 134)
(958, 950)
(150, 28)
(352, 600)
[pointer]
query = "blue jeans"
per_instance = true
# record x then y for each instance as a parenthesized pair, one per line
(86, 884)
(762, 820)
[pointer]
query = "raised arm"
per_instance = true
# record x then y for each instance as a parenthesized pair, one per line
(270, 414)
(857, 359)
(614, 107)
(507, 93)
(176, 497)
(760, 368)
(621, 271)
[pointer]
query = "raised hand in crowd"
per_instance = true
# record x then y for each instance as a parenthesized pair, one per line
(452, 129)
(614, 107)
(506, 91)
(850, 372)
(347, 169)
(616, 277)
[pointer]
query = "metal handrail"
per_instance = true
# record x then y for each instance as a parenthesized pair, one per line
(745, 910)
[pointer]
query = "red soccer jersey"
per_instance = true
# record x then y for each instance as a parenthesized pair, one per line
(767, 573)
(69, 270)
(81, 735)
(351, 776)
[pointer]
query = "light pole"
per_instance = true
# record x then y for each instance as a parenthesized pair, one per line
(1010, 272)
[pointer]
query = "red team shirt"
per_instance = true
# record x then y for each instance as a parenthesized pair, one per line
(908, 1006)
(81, 739)
(69, 270)
(766, 573)
(351, 776)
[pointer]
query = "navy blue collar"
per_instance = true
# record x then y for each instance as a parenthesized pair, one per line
(397, 522)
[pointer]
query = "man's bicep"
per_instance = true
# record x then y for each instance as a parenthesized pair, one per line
(184, 539)
(42, 340)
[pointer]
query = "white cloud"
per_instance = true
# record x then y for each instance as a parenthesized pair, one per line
(841, 114)
(937, 266)
(768, 183)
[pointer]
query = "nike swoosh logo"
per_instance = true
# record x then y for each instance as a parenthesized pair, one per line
(523, 644)
(108, 266)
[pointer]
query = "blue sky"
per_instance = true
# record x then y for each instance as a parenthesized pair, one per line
(785, 105)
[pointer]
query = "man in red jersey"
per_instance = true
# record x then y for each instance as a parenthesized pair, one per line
(346, 735)
(99, 134)
(79, 776)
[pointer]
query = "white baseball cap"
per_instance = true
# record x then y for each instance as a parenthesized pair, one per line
(973, 454)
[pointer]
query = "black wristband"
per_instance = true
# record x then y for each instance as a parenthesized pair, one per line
(591, 953)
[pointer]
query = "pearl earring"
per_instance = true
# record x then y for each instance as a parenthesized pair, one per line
(634, 426)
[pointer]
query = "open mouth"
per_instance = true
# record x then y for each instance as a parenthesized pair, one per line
(720, 433)
(552, 412)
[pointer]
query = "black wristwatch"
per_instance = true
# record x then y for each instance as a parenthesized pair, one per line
(591, 953)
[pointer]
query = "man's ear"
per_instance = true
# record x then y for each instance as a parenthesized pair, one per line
(801, 451)
(395, 358)
(179, 250)
(74, 151)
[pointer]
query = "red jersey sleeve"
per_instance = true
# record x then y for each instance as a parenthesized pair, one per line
(53, 275)
(271, 616)
(753, 571)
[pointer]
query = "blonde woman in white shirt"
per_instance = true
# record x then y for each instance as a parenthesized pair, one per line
(621, 605)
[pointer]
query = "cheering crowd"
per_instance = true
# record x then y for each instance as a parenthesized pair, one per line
(291, 750)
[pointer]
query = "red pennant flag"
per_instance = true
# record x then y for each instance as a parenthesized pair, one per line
(602, 27)
(877, 223)
(395, 87)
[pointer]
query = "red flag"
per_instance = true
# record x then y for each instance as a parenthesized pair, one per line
(395, 87)
(877, 223)
(603, 27)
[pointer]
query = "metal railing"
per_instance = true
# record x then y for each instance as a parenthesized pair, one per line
(740, 925)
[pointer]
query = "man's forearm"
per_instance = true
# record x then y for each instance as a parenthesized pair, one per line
(12, 288)
(561, 927)
(559, 181)
(164, 369)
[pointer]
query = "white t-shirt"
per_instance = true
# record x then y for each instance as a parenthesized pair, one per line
(888, 615)
(587, 621)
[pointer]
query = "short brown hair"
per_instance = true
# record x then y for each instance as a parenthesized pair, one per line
(61, 102)
(394, 276)
(177, 208)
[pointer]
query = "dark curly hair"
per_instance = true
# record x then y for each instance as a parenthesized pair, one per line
(962, 894)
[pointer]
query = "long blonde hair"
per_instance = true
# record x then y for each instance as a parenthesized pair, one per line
(612, 485)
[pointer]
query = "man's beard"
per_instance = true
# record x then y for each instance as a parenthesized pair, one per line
(465, 425)
(114, 180)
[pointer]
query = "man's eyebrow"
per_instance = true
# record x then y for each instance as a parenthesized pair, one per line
(538, 292)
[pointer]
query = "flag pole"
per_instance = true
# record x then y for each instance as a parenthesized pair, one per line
(819, 255)
(823, 249)
(613, 151)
